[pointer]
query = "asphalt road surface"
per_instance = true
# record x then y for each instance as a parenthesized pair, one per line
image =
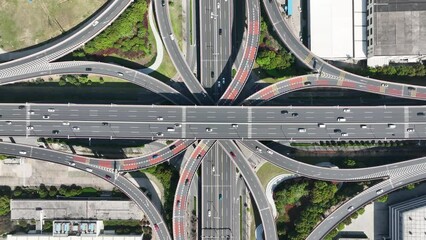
(193, 122)
(132, 191)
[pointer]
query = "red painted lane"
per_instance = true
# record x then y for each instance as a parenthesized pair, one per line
(267, 94)
(255, 26)
(178, 149)
(349, 84)
(80, 159)
(185, 174)
(251, 53)
(156, 160)
(323, 82)
(295, 80)
(105, 163)
(393, 91)
(243, 76)
(373, 88)
(421, 95)
(129, 164)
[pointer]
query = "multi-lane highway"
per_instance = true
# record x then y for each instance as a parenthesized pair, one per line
(217, 191)
(122, 183)
(169, 40)
(193, 122)
(215, 45)
(256, 189)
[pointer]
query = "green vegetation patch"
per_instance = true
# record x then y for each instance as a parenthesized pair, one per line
(169, 178)
(268, 171)
(302, 202)
(128, 36)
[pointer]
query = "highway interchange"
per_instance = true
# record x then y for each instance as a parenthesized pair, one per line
(224, 124)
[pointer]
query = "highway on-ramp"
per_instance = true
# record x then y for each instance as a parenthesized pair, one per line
(122, 183)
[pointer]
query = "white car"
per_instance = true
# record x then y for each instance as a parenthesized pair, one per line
(95, 23)
(51, 110)
(178, 125)
(269, 151)
(209, 130)
(346, 110)
(120, 74)
(363, 126)
(8, 122)
(350, 208)
(66, 123)
(213, 169)
(160, 134)
(234, 125)
(302, 130)
(46, 116)
(23, 152)
(380, 191)
(209, 213)
(321, 125)
(258, 149)
(344, 134)
(341, 119)
(76, 128)
(30, 127)
(384, 85)
(31, 112)
(391, 125)
(89, 169)
(71, 163)
(160, 118)
(410, 129)
(172, 37)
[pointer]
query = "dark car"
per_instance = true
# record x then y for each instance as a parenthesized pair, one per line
(21, 107)
(212, 74)
(284, 112)
(156, 227)
(232, 154)
(294, 114)
(55, 132)
(107, 176)
(337, 131)
(172, 147)
(186, 181)
(421, 114)
(199, 157)
(105, 124)
(88, 69)
(220, 31)
(163, 3)
(155, 156)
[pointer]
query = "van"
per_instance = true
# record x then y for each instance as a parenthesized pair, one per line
(170, 129)
(321, 125)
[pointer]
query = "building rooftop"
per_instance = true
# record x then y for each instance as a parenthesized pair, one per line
(399, 27)
(408, 219)
(74, 209)
(337, 28)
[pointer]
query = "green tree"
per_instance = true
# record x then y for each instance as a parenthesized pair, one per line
(42, 191)
(323, 192)
(17, 192)
(411, 186)
(53, 191)
(4, 205)
(350, 163)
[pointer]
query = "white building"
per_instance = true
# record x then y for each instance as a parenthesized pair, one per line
(337, 29)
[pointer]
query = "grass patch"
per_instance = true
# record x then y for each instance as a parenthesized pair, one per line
(24, 23)
(176, 18)
(166, 70)
(269, 171)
